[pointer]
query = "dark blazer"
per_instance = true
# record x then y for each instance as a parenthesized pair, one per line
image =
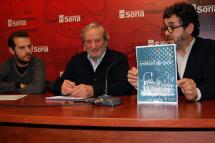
(80, 70)
(201, 67)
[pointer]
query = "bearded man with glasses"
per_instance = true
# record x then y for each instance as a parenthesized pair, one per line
(195, 55)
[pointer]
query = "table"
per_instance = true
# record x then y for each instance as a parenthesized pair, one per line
(33, 119)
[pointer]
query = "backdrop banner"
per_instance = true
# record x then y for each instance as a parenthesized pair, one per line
(55, 25)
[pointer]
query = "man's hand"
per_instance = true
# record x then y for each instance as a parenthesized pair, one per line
(188, 88)
(67, 87)
(22, 85)
(132, 76)
(82, 90)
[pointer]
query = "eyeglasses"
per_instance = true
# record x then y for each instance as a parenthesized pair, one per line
(170, 29)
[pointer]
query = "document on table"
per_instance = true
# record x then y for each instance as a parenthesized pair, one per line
(11, 97)
(70, 98)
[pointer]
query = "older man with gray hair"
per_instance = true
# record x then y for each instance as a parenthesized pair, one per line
(85, 74)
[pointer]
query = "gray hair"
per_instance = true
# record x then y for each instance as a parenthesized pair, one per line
(91, 26)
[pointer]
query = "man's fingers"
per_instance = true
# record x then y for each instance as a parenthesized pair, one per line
(82, 90)
(67, 87)
(75, 92)
(134, 70)
(132, 80)
(69, 83)
(181, 82)
(131, 76)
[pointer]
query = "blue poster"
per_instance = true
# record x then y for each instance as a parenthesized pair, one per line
(157, 74)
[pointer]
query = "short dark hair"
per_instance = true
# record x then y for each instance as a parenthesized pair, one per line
(187, 14)
(16, 34)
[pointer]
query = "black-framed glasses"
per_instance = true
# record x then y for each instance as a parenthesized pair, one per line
(170, 29)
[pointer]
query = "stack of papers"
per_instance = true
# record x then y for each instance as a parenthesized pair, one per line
(11, 97)
(70, 98)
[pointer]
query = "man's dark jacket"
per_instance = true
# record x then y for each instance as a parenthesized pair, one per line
(80, 71)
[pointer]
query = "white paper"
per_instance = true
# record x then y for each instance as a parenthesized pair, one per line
(11, 97)
(65, 98)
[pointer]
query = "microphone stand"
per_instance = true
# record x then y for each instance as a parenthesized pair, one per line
(105, 95)
(105, 99)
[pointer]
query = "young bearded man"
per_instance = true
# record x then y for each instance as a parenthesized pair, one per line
(22, 73)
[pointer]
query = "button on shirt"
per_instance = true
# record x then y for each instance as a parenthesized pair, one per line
(96, 64)
(182, 62)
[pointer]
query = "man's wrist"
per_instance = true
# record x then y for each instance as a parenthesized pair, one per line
(91, 91)
(199, 95)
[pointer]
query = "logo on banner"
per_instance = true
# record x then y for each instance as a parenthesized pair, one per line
(16, 23)
(204, 8)
(154, 42)
(40, 49)
(66, 19)
(131, 14)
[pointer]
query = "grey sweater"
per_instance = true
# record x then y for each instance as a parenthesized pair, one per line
(33, 77)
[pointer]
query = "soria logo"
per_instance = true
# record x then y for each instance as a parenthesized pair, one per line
(15, 23)
(66, 19)
(40, 49)
(131, 14)
(204, 8)
(153, 42)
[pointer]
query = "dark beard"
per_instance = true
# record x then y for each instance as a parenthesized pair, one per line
(21, 62)
(182, 41)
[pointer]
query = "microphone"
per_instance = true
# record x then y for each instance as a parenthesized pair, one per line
(110, 101)
(105, 95)
(105, 99)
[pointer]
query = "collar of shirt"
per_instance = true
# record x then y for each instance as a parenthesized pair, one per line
(96, 64)
(182, 60)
